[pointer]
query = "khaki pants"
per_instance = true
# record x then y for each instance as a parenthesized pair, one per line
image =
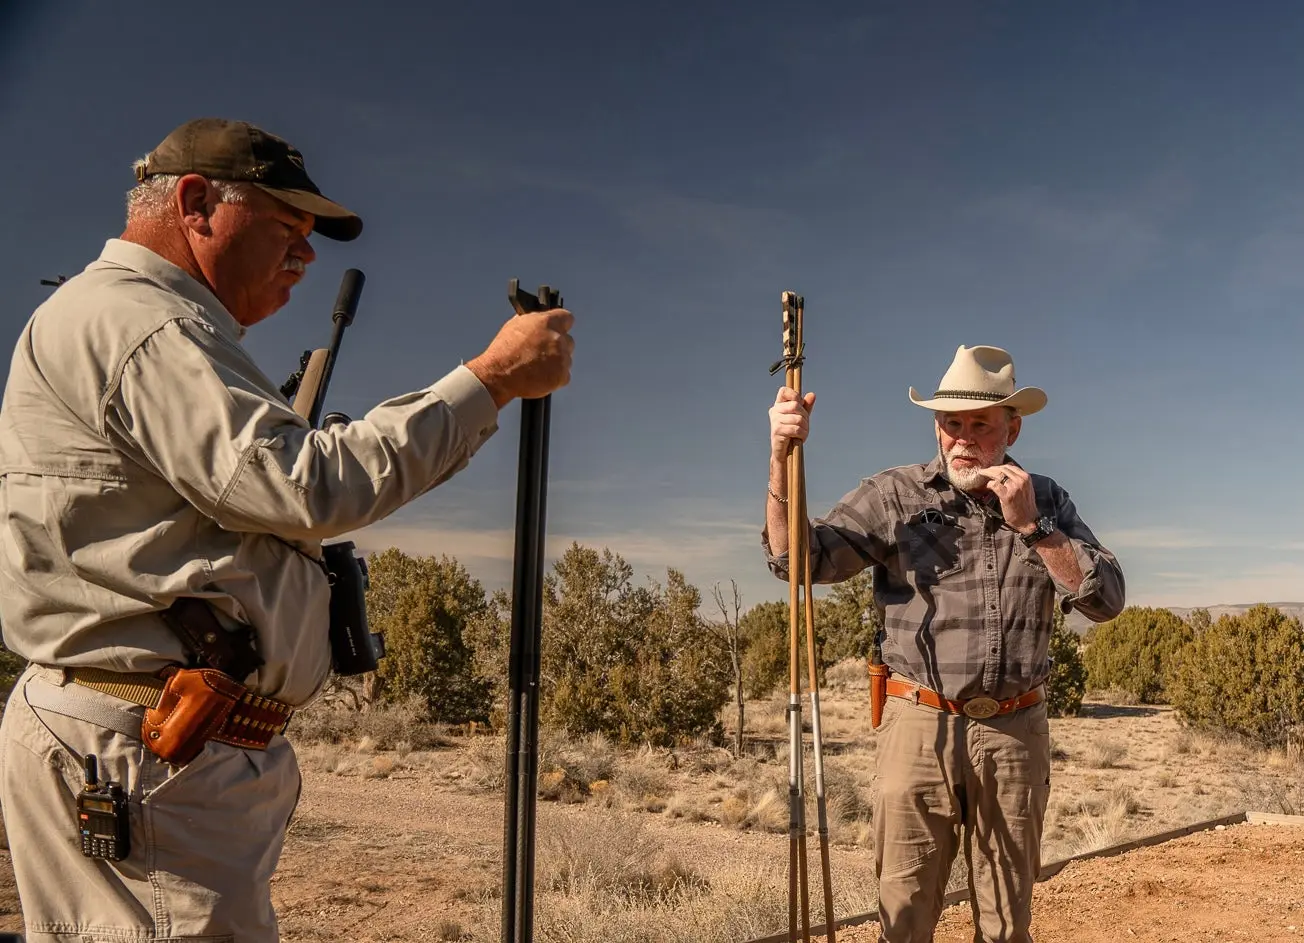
(205, 837)
(943, 777)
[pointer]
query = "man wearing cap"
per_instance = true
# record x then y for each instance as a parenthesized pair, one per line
(971, 554)
(150, 472)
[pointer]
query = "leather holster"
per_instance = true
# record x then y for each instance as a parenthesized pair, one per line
(194, 706)
(877, 692)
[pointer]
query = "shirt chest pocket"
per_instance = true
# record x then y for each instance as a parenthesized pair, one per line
(931, 546)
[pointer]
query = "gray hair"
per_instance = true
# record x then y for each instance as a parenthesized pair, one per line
(152, 197)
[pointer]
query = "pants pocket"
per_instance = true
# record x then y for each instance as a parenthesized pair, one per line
(216, 829)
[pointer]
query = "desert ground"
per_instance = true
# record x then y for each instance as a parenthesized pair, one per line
(398, 834)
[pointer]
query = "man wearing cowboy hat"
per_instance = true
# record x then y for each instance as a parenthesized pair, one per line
(162, 506)
(971, 554)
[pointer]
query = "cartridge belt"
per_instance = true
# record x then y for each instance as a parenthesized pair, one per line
(978, 708)
(251, 723)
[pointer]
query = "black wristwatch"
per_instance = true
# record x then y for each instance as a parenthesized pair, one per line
(1045, 527)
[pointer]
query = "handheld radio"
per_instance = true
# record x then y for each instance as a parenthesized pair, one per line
(105, 827)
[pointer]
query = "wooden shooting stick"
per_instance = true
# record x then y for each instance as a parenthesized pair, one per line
(523, 659)
(799, 584)
(812, 663)
(798, 892)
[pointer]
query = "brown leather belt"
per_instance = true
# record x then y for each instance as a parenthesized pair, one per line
(252, 723)
(979, 708)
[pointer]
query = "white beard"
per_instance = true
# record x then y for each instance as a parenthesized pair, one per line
(969, 478)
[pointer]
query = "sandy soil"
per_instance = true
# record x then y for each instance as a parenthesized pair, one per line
(1245, 882)
(1242, 883)
(387, 847)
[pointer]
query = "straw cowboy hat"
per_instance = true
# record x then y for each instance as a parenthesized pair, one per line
(980, 377)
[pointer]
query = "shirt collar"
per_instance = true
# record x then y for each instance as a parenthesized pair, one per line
(147, 262)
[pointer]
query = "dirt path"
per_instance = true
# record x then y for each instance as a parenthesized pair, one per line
(408, 858)
(398, 847)
(1243, 883)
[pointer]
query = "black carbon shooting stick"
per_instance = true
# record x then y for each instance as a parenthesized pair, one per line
(523, 658)
(308, 386)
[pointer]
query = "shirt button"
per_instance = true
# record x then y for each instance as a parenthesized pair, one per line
(992, 606)
(991, 566)
(993, 649)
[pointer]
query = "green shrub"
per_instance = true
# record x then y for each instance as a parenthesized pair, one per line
(423, 605)
(1068, 673)
(1244, 675)
(848, 619)
(638, 664)
(765, 627)
(1132, 651)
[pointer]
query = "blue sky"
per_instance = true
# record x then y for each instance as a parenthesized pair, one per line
(1114, 192)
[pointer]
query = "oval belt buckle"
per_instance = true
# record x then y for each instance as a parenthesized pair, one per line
(980, 708)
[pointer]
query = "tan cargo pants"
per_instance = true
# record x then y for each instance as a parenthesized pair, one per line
(943, 776)
(205, 837)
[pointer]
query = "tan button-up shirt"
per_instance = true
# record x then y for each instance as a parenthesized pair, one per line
(144, 456)
(966, 605)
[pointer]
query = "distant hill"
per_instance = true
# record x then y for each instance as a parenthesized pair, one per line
(1080, 623)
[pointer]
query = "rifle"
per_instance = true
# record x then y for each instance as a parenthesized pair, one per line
(308, 384)
(355, 649)
(523, 659)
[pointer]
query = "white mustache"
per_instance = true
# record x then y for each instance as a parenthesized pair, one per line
(293, 264)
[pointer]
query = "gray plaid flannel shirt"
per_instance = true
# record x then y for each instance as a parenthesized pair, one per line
(966, 607)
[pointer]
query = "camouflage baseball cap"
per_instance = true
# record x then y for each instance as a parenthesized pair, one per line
(236, 150)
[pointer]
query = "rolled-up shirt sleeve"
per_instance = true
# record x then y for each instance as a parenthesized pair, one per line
(1102, 593)
(851, 537)
(194, 407)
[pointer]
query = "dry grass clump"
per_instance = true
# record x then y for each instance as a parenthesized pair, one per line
(380, 767)
(684, 805)
(1102, 822)
(1289, 758)
(768, 812)
(643, 781)
(1057, 751)
(381, 726)
(1180, 745)
(570, 769)
(1105, 753)
(612, 883)
(614, 858)
(769, 719)
(326, 758)
(483, 763)
(849, 799)
(1114, 697)
(850, 674)
(706, 759)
